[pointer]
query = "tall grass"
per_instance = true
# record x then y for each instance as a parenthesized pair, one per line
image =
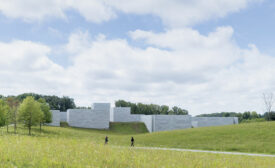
(74, 147)
(61, 151)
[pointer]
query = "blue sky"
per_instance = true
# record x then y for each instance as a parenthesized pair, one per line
(195, 55)
(252, 25)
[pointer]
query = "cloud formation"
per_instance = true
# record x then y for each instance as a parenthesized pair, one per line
(173, 13)
(180, 66)
(179, 13)
(203, 73)
(37, 10)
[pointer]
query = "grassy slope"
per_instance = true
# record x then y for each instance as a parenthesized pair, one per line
(72, 147)
(251, 137)
(128, 128)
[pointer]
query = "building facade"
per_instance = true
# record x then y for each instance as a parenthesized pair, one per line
(101, 114)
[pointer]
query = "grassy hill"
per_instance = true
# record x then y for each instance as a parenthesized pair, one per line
(250, 137)
(75, 147)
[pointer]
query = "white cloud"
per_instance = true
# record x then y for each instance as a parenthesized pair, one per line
(217, 49)
(209, 73)
(179, 13)
(203, 73)
(32, 9)
(37, 10)
(174, 13)
(25, 66)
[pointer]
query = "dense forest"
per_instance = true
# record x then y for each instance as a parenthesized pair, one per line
(140, 108)
(55, 102)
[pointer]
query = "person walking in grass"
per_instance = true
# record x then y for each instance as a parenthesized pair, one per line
(106, 140)
(132, 141)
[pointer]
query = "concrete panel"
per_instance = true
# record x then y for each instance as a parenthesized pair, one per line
(147, 120)
(112, 115)
(213, 121)
(236, 120)
(170, 122)
(101, 106)
(55, 118)
(87, 118)
(123, 114)
(63, 116)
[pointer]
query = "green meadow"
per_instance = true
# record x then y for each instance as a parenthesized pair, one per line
(75, 147)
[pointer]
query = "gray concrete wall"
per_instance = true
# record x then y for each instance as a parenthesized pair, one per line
(147, 120)
(112, 115)
(63, 116)
(170, 122)
(101, 106)
(213, 121)
(97, 118)
(55, 118)
(123, 114)
(101, 114)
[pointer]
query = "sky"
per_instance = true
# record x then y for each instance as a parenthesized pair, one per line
(203, 56)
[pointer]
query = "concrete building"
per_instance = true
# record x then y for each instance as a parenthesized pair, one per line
(101, 114)
(55, 118)
(97, 117)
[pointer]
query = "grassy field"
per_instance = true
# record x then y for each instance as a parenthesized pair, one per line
(251, 137)
(73, 147)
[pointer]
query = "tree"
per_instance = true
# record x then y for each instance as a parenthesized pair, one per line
(150, 109)
(247, 115)
(268, 102)
(30, 112)
(269, 116)
(47, 115)
(254, 115)
(175, 110)
(164, 109)
(122, 103)
(55, 103)
(13, 104)
(182, 112)
(4, 114)
(171, 112)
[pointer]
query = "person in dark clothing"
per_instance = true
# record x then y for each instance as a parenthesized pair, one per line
(106, 140)
(132, 141)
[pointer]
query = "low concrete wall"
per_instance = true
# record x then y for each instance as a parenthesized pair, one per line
(55, 118)
(63, 116)
(87, 118)
(147, 120)
(170, 122)
(123, 114)
(213, 121)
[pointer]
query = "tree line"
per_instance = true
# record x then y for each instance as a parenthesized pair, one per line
(245, 116)
(148, 109)
(55, 102)
(29, 112)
